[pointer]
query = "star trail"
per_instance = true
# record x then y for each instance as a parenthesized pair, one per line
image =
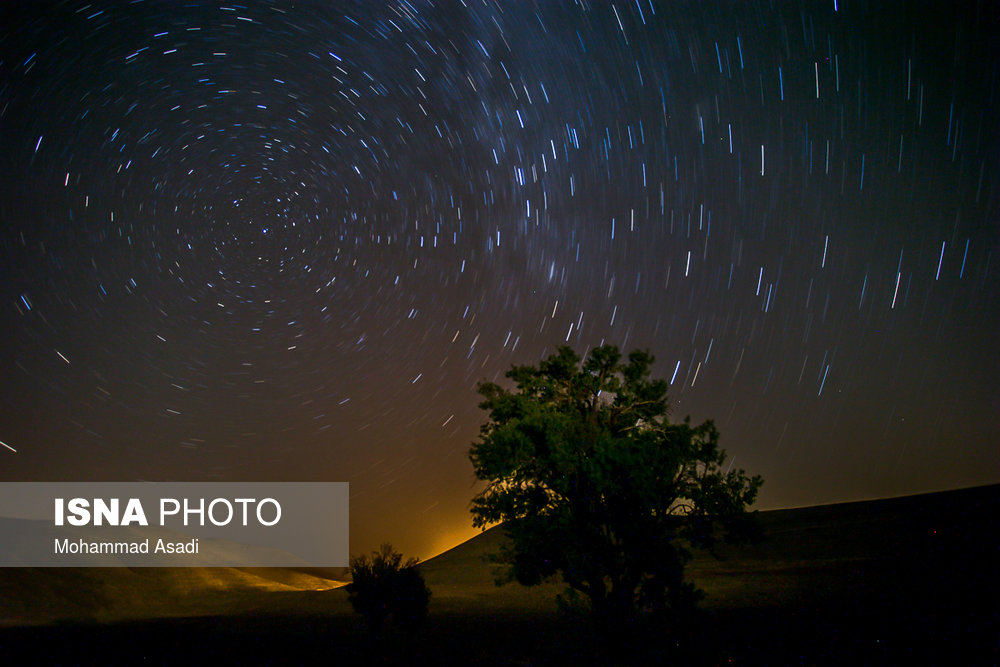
(283, 241)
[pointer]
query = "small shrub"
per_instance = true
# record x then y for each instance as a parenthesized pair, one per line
(384, 585)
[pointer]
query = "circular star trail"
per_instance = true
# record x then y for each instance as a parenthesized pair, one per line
(284, 241)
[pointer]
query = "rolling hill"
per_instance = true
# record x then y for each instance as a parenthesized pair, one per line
(883, 581)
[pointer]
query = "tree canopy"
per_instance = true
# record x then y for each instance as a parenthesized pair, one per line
(592, 482)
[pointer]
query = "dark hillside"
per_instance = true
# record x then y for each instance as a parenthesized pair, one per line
(899, 581)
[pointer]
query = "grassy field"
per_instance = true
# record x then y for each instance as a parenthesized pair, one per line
(908, 580)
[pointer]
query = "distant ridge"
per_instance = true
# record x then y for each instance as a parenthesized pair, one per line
(960, 490)
(961, 499)
(818, 541)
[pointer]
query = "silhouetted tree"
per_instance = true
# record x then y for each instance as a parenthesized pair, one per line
(592, 482)
(384, 585)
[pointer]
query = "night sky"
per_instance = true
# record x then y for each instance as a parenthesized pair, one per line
(283, 241)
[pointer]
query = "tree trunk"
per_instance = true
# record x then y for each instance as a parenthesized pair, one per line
(614, 613)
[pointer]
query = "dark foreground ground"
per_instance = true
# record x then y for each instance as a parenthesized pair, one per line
(902, 581)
